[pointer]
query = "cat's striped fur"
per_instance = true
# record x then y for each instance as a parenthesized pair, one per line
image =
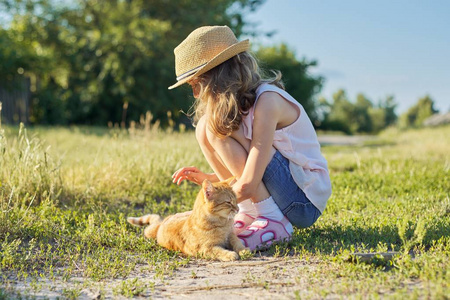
(207, 230)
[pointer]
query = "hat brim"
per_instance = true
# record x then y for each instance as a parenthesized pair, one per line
(223, 56)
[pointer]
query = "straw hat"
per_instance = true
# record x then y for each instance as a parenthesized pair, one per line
(205, 48)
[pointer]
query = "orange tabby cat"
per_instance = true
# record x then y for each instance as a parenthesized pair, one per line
(208, 230)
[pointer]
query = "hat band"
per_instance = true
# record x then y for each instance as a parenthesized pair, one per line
(189, 73)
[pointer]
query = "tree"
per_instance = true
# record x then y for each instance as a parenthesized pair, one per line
(16, 56)
(362, 116)
(108, 55)
(337, 114)
(377, 116)
(416, 114)
(362, 121)
(388, 106)
(298, 82)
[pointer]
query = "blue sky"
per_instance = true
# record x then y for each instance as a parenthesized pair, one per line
(379, 48)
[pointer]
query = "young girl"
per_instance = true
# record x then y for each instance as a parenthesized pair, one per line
(250, 128)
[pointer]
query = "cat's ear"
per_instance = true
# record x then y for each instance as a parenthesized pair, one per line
(208, 189)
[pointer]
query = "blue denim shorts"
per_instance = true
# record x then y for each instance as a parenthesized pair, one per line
(291, 200)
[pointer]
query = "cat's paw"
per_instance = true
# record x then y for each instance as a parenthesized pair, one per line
(229, 256)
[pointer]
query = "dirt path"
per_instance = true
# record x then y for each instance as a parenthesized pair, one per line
(263, 278)
(258, 277)
(344, 140)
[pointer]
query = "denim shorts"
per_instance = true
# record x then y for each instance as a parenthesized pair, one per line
(291, 200)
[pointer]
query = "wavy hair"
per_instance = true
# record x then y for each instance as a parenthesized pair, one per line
(228, 91)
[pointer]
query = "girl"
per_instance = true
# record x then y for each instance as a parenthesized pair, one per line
(250, 128)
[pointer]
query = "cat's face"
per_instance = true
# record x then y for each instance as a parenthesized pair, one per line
(220, 198)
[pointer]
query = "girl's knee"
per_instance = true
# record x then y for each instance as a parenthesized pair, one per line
(204, 135)
(200, 131)
(213, 139)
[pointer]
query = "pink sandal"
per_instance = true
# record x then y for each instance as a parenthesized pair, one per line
(254, 235)
(241, 221)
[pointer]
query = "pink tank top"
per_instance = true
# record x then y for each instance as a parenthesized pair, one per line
(298, 143)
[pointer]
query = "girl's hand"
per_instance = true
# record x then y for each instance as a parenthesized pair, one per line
(189, 173)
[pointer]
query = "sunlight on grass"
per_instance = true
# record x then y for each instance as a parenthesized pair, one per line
(65, 194)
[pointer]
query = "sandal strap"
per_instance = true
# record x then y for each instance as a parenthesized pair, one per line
(252, 236)
(241, 221)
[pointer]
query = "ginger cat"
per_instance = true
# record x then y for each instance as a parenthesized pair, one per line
(208, 230)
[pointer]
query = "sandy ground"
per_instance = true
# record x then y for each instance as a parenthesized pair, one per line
(256, 278)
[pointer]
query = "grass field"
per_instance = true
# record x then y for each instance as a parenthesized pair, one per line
(65, 194)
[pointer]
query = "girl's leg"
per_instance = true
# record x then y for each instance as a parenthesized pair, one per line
(227, 157)
(247, 212)
(209, 152)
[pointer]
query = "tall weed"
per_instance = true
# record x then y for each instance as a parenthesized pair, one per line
(27, 171)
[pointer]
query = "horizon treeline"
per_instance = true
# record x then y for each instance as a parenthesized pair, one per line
(96, 62)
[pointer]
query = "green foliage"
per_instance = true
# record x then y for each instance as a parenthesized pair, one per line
(17, 57)
(363, 121)
(298, 81)
(10, 56)
(359, 117)
(100, 61)
(418, 113)
(338, 114)
(108, 60)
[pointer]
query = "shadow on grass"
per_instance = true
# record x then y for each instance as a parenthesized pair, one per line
(333, 239)
(330, 239)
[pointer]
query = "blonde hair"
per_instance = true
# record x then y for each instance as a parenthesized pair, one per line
(228, 91)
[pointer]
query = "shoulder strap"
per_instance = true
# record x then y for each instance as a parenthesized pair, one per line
(266, 87)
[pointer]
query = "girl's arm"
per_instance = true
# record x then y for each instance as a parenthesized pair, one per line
(192, 174)
(266, 117)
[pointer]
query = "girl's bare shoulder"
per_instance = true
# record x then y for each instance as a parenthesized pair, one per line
(270, 95)
(274, 105)
(269, 100)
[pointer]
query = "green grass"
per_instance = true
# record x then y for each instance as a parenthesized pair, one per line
(65, 194)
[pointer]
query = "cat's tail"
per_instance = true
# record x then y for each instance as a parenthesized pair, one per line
(144, 220)
(152, 220)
